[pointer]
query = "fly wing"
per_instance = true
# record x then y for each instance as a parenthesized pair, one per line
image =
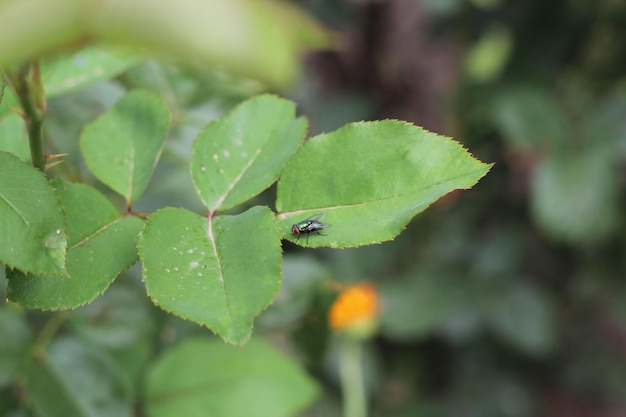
(315, 217)
(322, 225)
(316, 223)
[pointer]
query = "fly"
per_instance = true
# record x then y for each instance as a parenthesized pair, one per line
(309, 226)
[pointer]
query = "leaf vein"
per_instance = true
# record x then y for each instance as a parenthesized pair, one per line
(95, 233)
(236, 180)
(131, 173)
(378, 200)
(220, 269)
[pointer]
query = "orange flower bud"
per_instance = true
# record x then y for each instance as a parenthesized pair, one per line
(355, 309)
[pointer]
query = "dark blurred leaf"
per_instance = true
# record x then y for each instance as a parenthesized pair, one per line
(302, 276)
(15, 339)
(522, 316)
(529, 117)
(418, 305)
(73, 379)
(500, 393)
(608, 122)
(498, 254)
(121, 322)
(118, 319)
(575, 195)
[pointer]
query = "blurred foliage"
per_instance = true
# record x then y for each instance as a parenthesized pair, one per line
(504, 301)
(508, 300)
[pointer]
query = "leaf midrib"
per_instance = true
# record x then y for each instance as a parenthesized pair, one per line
(95, 233)
(213, 241)
(24, 220)
(236, 180)
(397, 196)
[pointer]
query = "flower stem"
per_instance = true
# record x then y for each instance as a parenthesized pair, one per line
(351, 374)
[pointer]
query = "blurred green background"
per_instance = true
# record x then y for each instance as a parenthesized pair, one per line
(505, 300)
(509, 299)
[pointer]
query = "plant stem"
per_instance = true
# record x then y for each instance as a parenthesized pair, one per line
(48, 331)
(351, 374)
(31, 97)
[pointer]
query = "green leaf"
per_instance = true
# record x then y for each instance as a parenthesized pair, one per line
(123, 145)
(83, 68)
(33, 229)
(369, 180)
(76, 380)
(220, 272)
(13, 137)
(575, 195)
(101, 245)
(238, 156)
(206, 377)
